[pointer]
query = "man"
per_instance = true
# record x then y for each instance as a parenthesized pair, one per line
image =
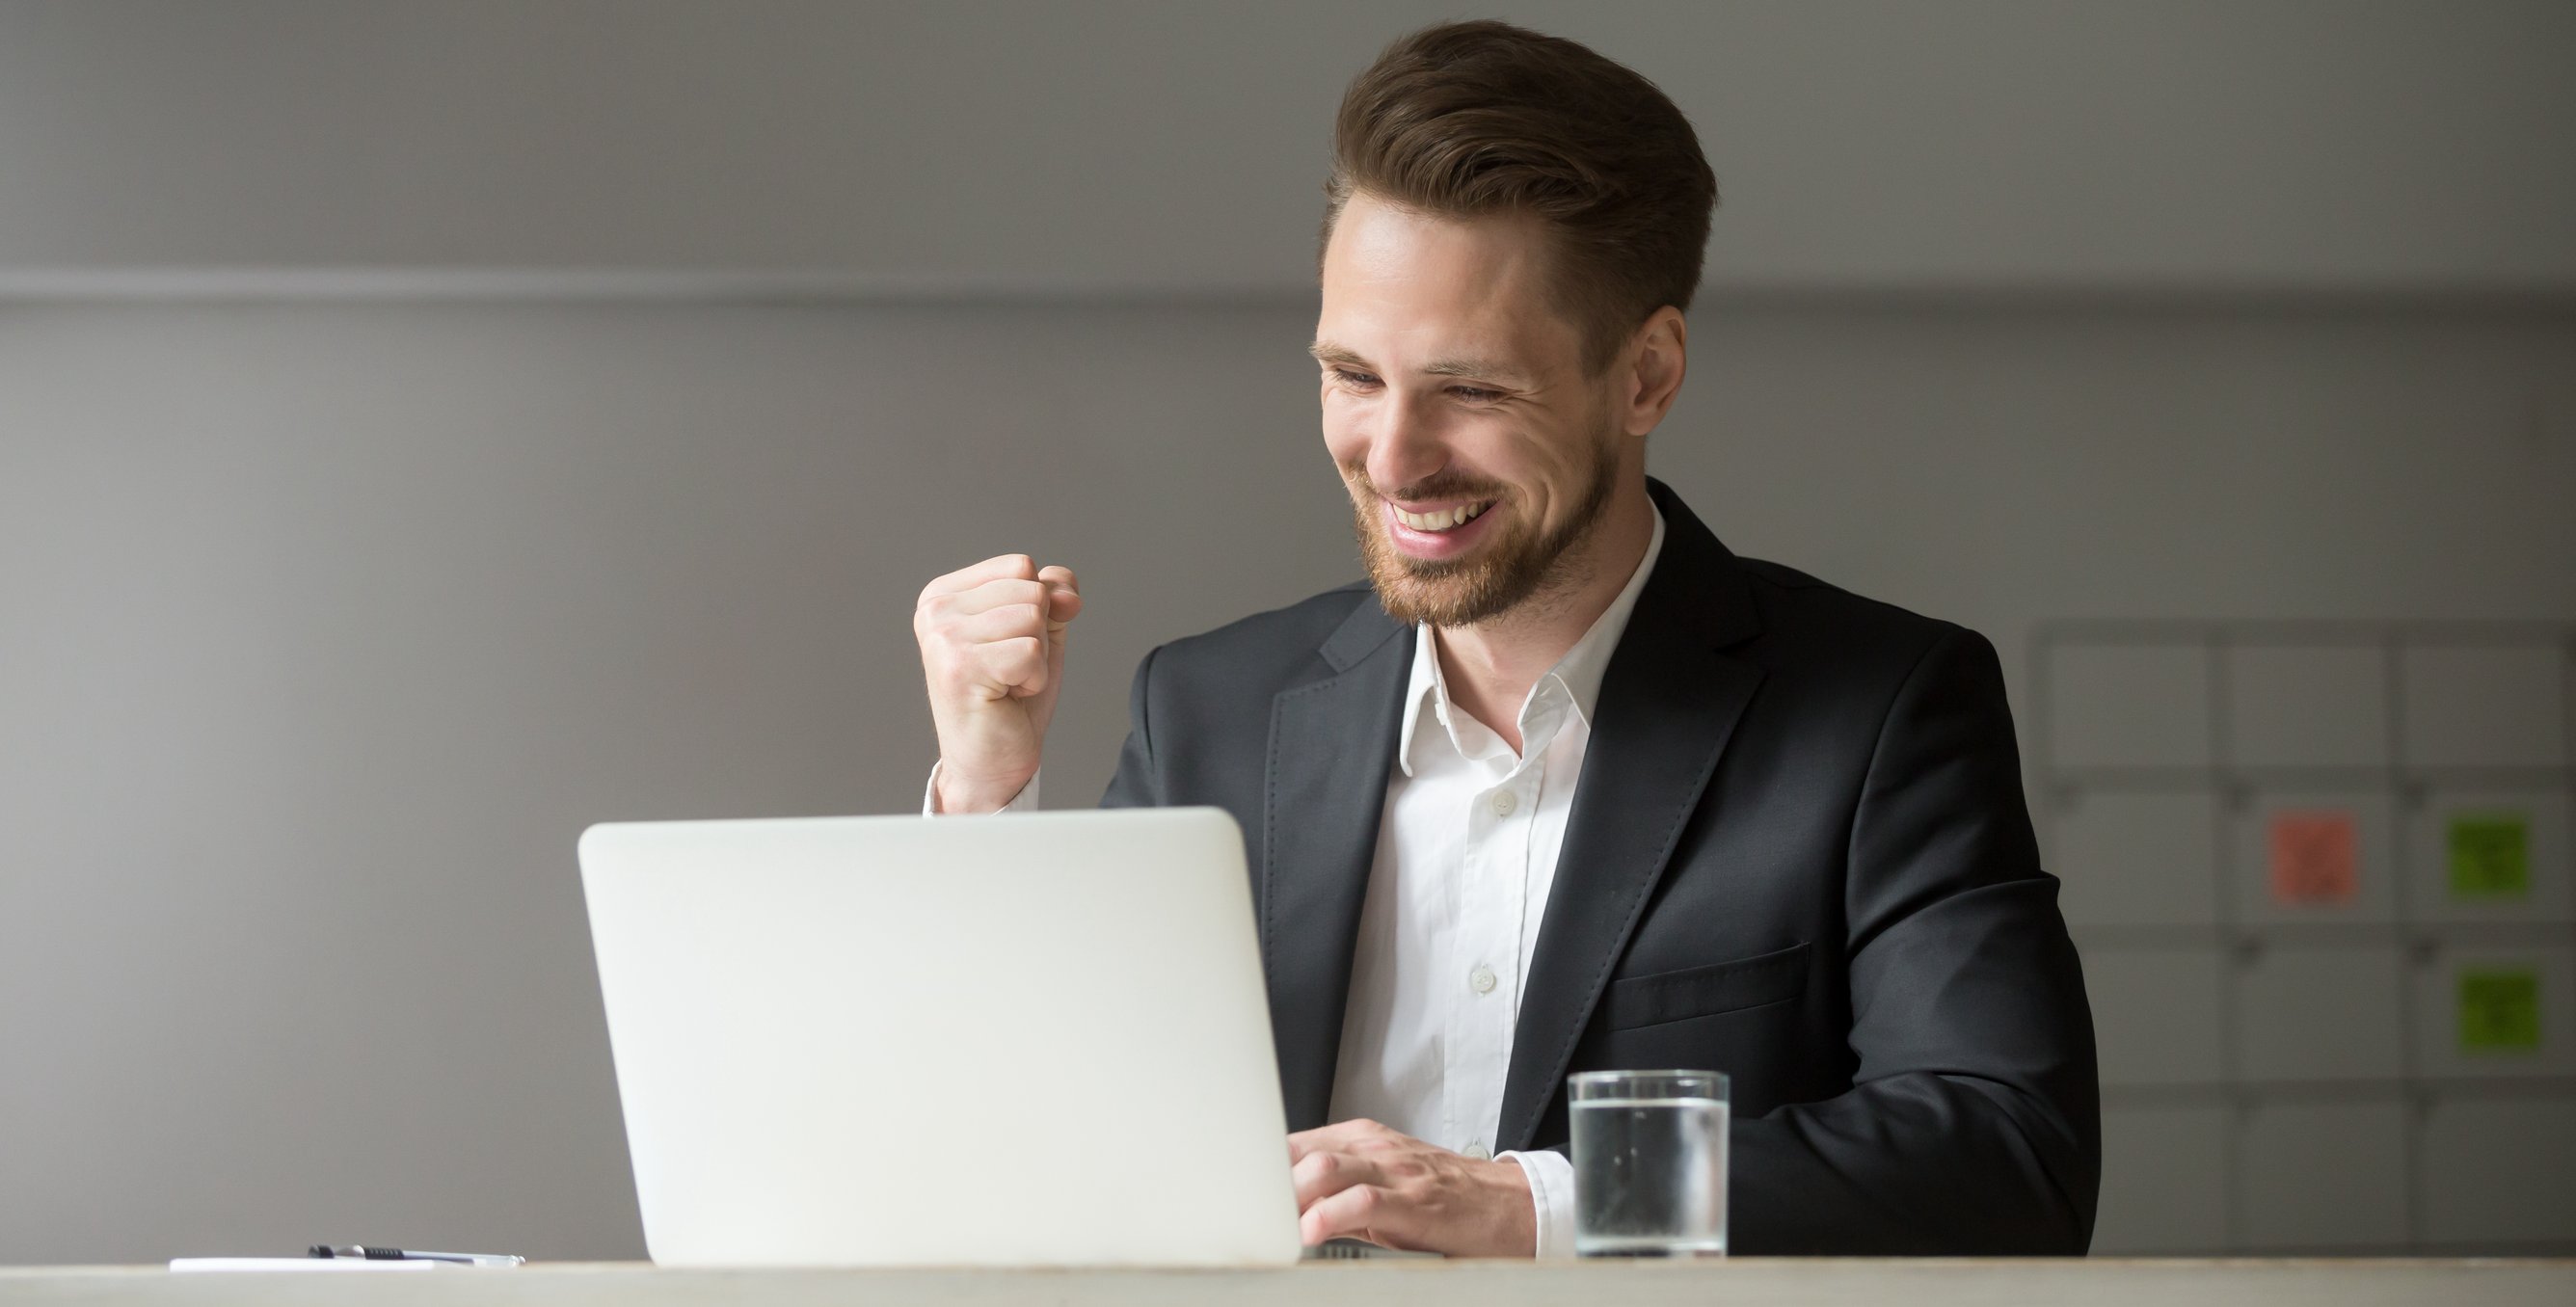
(1567, 785)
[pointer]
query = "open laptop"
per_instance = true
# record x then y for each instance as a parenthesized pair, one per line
(1018, 1040)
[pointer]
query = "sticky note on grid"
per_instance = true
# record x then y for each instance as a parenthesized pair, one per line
(2315, 857)
(2500, 1010)
(2490, 855)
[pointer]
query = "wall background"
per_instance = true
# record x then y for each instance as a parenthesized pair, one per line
(424, 432)
(1172, 148)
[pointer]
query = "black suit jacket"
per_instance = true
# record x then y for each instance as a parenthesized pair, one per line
(1798, 854)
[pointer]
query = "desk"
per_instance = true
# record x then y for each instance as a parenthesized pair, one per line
(1738, 1283)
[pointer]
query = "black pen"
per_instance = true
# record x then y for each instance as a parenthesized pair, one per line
(379, 1254)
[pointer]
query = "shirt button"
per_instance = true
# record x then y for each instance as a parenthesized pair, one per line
(1478, 1151)
(1504, 803)
(1481, 979)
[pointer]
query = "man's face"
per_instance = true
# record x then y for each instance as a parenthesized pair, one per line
(1453, 388)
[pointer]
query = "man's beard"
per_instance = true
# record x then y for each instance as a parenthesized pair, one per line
(1516, 565)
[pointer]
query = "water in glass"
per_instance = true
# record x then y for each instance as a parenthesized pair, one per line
(1650, 1177)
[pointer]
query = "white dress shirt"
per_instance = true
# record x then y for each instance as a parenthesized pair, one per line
(1466, 852)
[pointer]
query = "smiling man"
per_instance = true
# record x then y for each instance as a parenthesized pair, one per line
(1566, 785)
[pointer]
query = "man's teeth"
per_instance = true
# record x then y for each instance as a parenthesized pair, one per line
(1441, 521)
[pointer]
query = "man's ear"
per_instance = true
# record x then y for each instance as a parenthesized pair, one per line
(1653, 366)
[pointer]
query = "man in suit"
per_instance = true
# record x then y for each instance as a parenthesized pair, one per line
(1566, 784)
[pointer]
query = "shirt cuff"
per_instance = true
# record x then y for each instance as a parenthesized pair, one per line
(1551, 1182)
(1024, 801)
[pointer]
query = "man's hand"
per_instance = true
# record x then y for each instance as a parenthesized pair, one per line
(1361, 1180)
(992, 649)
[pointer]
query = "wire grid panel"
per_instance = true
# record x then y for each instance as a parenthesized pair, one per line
(2323, 879)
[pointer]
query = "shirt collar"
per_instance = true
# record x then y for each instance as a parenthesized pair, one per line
(1576, 676)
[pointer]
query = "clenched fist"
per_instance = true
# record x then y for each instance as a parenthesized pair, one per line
(992, 648)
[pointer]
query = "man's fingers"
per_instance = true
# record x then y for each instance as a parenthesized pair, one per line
(1005, 567)
(1363, 1211)
(1005, 622)
(1064, 597)
(1322, 1173)
(991, 595)
(1063, 605)
(1340, 1134)
(1016, 667)
(1363, 1180)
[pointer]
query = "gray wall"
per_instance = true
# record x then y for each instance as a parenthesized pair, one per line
(342, 583)
(329, 627)
(1169, 146)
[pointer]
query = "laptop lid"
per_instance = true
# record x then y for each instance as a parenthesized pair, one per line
(1015, 1040)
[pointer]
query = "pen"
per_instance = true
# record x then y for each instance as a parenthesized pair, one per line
(377, 1253)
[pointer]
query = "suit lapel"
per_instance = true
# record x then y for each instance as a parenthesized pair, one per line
(1669, 702)
(1332, 743)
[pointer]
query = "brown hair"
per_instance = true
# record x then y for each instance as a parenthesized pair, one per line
(1470, 119)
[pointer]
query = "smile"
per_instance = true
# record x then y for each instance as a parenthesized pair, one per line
(1441, 519)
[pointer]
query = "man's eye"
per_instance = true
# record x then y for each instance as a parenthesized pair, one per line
(1475, 394)
(1350, 378)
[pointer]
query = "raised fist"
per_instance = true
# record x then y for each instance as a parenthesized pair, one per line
(992, 649)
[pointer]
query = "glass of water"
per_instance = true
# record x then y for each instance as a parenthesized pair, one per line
(1649, 1163)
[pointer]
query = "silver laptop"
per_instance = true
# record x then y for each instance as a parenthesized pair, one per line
(1017, 1040)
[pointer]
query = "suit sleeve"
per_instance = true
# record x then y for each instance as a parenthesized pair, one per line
(1974, 1121)
(1137, 783)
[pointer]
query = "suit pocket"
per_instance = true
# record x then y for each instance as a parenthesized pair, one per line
(1665, 996)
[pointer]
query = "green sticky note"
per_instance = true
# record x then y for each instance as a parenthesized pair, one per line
(2490, 855)
(2500, 1011)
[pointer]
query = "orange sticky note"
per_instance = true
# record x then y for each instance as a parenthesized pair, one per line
(2313, 857)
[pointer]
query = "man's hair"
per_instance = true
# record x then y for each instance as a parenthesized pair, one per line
(1466, 120)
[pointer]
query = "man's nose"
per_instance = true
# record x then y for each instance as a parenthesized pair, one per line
(1405, 447)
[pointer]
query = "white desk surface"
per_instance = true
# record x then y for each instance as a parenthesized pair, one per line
(1737, 1283)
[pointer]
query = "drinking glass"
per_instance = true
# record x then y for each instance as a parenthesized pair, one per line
(1649, 1163)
